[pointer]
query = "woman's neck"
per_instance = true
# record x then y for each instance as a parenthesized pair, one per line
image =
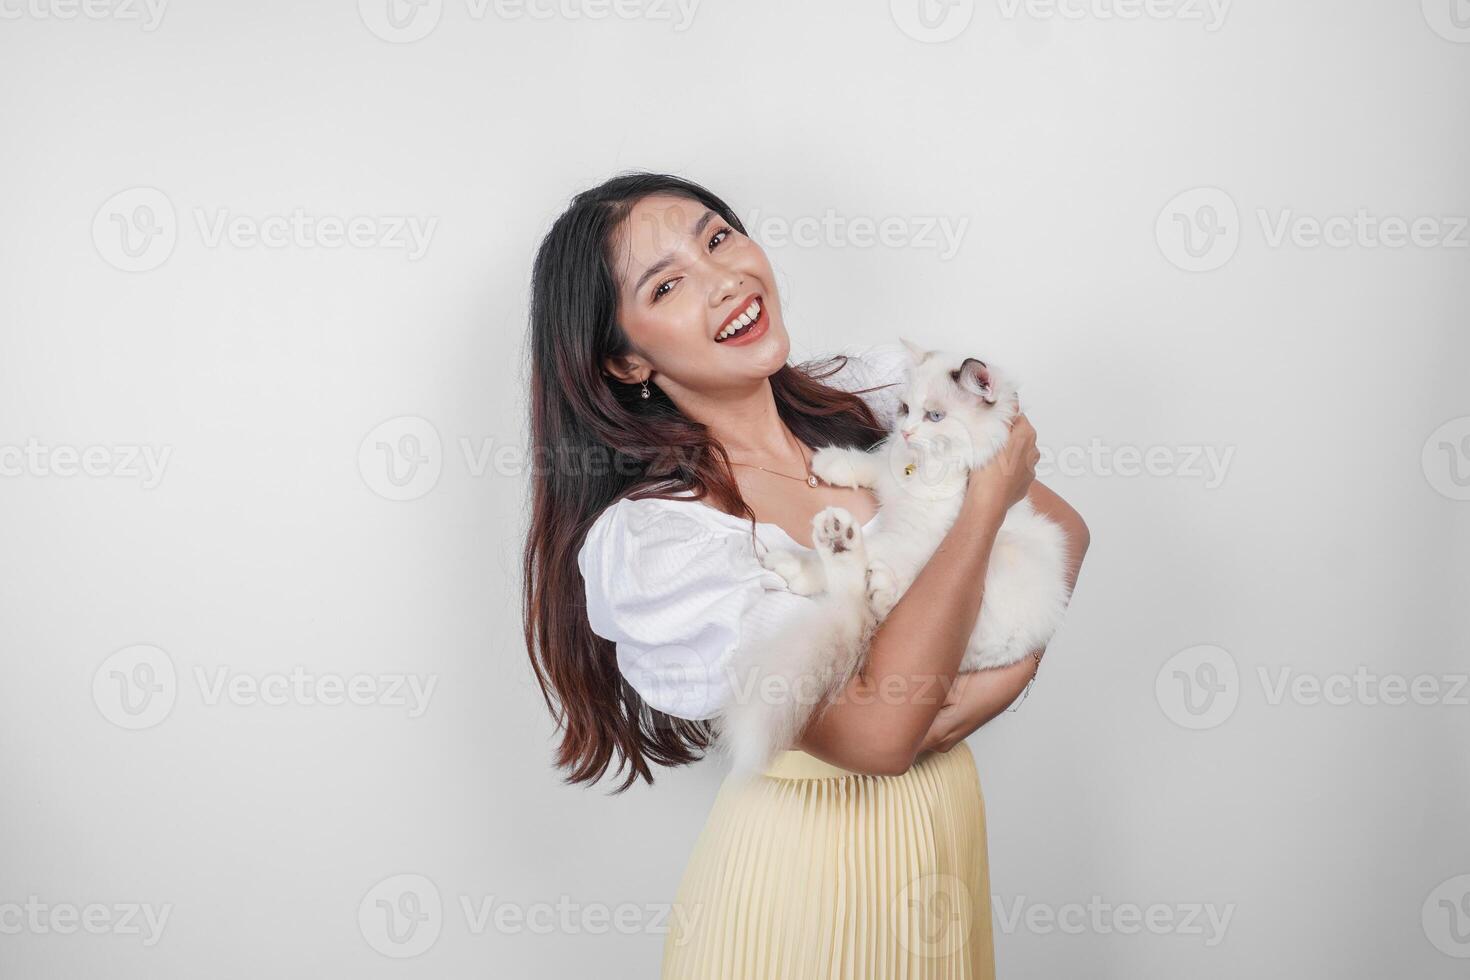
(750, 428)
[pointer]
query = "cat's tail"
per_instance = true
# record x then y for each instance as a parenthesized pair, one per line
(782, 685)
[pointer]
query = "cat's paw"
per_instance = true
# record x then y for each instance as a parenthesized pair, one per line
(839, 547)
(835, 465)
(882, 589)
(802, 577)
(835, 532)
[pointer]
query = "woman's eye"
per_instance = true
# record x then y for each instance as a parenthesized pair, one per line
(662, 288)
(934, 416)
(719, 237)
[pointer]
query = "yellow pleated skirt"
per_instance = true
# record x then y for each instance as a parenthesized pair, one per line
(811, 871)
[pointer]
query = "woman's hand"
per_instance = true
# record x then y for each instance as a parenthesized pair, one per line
(947, 730)
(1007, 477)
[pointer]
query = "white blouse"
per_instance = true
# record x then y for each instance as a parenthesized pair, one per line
(677, 587)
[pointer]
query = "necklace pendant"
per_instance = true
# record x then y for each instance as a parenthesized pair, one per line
(811, 481)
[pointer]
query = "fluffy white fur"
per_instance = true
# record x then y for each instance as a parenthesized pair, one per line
(779, 687)
(955, 417)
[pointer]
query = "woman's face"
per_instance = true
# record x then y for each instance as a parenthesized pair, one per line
(684, 277)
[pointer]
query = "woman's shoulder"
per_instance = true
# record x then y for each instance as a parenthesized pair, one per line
(880, 367)
(854, 366)
(661, 529)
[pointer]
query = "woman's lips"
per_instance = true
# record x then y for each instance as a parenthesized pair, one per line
(752, 331)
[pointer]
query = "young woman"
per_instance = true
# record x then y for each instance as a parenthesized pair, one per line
(670, 446)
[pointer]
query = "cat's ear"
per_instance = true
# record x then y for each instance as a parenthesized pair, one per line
(974, 376)
(915, 351)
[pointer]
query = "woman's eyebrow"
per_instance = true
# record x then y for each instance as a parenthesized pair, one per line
(668, 258)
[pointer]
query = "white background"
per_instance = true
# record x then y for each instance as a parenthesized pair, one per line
(1333, 834)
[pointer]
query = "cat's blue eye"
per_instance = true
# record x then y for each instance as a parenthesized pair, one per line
(934, 415)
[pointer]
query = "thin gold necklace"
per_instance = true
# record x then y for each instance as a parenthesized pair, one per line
(811, 478)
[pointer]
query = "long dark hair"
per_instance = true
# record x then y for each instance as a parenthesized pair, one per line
(595, 440)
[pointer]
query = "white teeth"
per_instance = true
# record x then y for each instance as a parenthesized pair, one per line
(747, 317)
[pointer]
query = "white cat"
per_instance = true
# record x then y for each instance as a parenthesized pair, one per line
(954, 416)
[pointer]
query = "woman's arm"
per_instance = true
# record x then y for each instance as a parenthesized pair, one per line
(879, 722)
(978, 697)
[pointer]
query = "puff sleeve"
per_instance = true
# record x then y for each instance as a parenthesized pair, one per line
(677, 593)
(875, 364)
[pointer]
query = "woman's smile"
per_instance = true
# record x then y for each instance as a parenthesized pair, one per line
(747, 324)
